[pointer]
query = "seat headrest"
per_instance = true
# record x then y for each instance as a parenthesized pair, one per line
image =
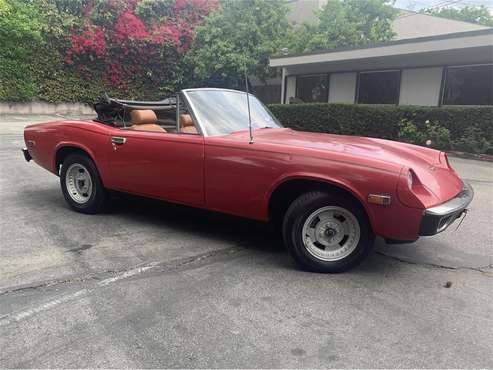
(186, 120)
(142, 117)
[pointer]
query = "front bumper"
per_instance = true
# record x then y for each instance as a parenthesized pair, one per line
(438, 218)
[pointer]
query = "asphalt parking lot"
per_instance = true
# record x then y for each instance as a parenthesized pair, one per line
(150, 284)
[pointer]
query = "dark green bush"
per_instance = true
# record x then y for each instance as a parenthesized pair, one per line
(468, 129)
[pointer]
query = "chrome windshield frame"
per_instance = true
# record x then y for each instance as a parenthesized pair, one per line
(190, 105)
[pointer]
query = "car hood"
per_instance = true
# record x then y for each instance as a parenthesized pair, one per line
(429, 165)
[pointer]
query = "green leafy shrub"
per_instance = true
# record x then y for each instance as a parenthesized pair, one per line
(409, 133)
(437, 136)
(473, 141)
(430, 134)
(72, 50)
(468, 129)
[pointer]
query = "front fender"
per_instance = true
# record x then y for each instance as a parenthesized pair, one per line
(312, 176)
(394, 221)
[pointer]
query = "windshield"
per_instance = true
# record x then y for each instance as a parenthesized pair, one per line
(222, 112)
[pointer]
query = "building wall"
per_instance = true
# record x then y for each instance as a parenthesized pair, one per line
(342, 87)
(290, 88)
(421, 86)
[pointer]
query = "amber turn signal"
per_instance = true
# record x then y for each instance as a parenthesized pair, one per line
(383, 200)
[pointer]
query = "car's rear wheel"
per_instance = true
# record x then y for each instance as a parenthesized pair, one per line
(327, 233)
(81, 184)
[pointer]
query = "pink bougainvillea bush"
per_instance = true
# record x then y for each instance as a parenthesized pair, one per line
(137, 46)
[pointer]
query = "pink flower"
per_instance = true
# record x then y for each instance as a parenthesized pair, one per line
(129, 26)
(165, 33)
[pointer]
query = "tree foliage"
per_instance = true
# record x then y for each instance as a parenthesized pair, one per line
(20, 37)
(474, 14)
(241, 36)
(343, 23)
(245, 34)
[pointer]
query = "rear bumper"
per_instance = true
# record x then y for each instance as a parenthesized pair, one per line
(27, 156)
(439, 218)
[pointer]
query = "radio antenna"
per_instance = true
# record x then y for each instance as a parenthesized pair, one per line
(248, 105)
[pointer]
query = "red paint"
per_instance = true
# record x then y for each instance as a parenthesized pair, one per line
(230, 175)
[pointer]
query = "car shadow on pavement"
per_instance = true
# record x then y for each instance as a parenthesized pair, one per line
(129, 210)
(244, 233)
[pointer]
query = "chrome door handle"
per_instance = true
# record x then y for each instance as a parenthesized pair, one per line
(118, 140)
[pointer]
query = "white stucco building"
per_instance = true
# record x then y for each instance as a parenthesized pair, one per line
(432, 61)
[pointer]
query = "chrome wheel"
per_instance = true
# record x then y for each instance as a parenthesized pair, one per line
(331, 233)
(79, 183)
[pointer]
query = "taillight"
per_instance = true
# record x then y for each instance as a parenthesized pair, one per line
(409, 179)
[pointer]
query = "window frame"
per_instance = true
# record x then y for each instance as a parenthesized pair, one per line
(300, 76)
(444, 82)
(191, 112)
(358, 85)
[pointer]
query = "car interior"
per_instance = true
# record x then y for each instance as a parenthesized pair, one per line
(147, 116)
(163, 121)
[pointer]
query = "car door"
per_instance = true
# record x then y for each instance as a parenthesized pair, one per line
(163, 165)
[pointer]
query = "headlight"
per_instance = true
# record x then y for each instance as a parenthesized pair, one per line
(409, 185)
(409, 179)
(412, 179)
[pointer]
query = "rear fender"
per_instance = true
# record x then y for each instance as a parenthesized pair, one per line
(71, 144)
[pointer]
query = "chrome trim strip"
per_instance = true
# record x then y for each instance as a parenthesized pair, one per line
(190, 105)
(456, 204)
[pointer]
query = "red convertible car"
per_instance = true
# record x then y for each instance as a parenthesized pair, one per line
(329, 194)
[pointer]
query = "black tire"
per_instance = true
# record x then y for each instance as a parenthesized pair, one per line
(299, 212)
(97, 198)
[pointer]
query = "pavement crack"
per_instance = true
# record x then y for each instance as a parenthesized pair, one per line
(135, 271)
(113, 275)
(51, 283)
(482, 269)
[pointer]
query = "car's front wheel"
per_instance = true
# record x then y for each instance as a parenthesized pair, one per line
(81, 184)
(327, 233)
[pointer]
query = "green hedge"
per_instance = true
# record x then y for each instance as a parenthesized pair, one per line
(468, 129)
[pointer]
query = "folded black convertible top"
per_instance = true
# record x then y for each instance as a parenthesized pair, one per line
(108, 109)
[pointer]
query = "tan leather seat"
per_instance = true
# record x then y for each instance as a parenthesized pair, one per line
(186, 124)
(144, 120)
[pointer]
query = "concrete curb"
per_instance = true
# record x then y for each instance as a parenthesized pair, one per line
(477, 157)
(44, 108)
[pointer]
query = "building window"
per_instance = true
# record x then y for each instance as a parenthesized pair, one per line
(379, 87)
(312, 89)
(468, 85)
